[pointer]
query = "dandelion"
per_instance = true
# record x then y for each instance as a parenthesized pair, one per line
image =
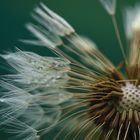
(78, 91)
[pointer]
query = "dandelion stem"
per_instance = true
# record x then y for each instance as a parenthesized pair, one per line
(118, 37)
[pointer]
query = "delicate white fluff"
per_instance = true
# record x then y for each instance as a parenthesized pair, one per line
(49, 28)
(53, 97)
(44, 76)
(39, 117)
(52, 21)
(109, 5)
(33, 42)
(89, 53)
(38, 82)
(31, 97)
(46, 38)
(132, 20)
(17, 104)
(21, 130)
(13, 100)
(36, 70)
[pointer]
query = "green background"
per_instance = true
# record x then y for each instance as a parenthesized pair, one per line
(86, 16)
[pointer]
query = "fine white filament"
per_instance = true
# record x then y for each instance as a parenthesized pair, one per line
(132, 20)
(109, 5)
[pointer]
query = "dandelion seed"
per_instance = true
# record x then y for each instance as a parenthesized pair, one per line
(132, 20)
(79, 91)
(109, 5)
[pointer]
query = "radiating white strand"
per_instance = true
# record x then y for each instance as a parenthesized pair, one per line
(30, 57)
(132, 20)
(33, 42)
(31, 114)
(38, 70)
(13, 101)
(90, 53)
(51, 117)
(50, 122)
(56, 17)
(109, 5)
(54, 23)
(119, 132)
(53, 97)
(41, 117)
(37, 33)
(51, 24)
(47, 38)
(21, 130)
(42, 76)
(41, 95)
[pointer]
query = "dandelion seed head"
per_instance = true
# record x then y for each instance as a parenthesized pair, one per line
(131, 97)
(79, 85)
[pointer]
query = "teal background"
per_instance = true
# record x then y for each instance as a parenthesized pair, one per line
(86, 16)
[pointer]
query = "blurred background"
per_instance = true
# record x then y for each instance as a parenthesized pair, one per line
(86, 16)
